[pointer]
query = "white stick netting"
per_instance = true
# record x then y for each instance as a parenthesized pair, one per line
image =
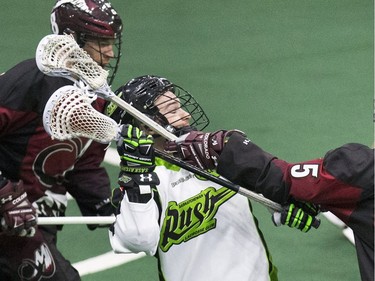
(60, 55)
(69, 114)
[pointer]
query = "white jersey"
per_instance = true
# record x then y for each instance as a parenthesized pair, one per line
(202, 232)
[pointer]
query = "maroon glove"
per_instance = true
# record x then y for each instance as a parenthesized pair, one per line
(18, 217)
(200, 149)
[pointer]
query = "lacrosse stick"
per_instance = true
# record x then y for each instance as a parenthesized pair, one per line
(75, 61)
(75, 220)
(61, 56)
(69, 110)
(69, 114)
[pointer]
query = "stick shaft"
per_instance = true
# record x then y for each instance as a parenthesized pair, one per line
(75, 220)
(106, 92)
(140, 116)
(109, 95)
(228, 184)
(245, 192)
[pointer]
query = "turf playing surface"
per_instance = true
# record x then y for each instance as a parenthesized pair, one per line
(296, 76)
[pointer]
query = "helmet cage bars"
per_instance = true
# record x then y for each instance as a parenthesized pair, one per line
(198, 119)
(113, 64)
(94, 20)
(143, 93)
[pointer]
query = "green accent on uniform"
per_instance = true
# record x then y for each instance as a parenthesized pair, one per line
(125, 178)
(212, 172)
(192, 217)
(291, 207)
(166, 164)
(308, 224)
(135, 170)
(131, 142)
(297, 219)
(130, 159)
(111, 107)
(173, 167)
(148, 140)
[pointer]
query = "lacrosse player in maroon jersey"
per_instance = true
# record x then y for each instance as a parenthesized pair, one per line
(40, 171)
(341, 182)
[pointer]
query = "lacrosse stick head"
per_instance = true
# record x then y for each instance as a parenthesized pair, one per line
(60, 55)
(69, 114)
(150, 93)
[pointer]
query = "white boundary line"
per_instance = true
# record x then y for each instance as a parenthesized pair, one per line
(346, 230)
(104, 262)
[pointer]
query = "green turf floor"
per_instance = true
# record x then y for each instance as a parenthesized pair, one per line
(295, 75)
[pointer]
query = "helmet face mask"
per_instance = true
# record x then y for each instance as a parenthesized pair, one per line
(150, 95)
(97, 48)
(90, 20)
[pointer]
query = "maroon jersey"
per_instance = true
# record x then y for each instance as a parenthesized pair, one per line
(342, 182)
(27, 152)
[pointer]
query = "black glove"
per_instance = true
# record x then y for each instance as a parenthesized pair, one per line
(104, 209)
(138, 187)
(18, 216)
(298, 215)
(137, 164)
(136, 151)
(200, 149)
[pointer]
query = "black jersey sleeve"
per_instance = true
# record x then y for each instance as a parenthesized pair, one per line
(246, 164)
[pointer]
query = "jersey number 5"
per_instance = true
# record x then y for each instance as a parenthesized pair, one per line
(301, 171)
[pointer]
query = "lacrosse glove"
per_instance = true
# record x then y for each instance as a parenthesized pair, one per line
(298, 215)
(137, 165)
(200, 149)
(18, 216)
(106, 207)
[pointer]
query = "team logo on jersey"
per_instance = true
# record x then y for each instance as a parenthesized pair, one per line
(43, 265)
(51, 164)
(192, 217)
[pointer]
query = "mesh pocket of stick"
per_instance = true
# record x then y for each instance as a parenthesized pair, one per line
(69, 114)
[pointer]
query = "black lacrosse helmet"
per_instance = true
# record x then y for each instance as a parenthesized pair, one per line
(89, 19)
(141, 93)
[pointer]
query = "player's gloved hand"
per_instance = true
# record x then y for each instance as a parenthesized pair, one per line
(137, 155)
(18, 216)
(106, 207)
(138, 187)
(136, 151)
(298, 215)
(200, 149)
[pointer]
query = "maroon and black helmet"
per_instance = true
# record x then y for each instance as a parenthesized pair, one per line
(95, 18)
(89, 19)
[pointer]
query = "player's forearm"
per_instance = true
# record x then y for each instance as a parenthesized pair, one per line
(243, 162)
(247, 165)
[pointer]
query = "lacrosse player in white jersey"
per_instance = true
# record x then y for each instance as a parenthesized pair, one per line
(197, 229)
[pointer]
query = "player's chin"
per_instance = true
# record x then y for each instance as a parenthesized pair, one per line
(104, 62)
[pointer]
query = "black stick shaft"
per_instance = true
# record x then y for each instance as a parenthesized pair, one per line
(252, 195)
